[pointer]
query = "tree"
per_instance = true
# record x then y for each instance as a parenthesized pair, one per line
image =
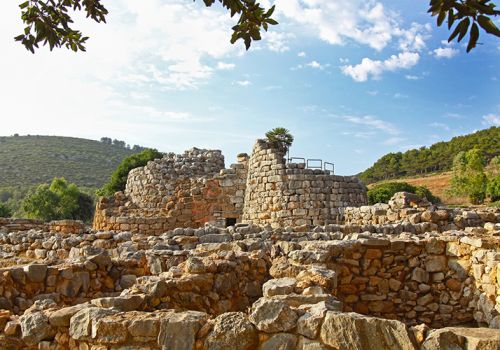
(5, 211)
(281, 137)
(59, 200)
(118, 179)
(469, 178)
(48, 21)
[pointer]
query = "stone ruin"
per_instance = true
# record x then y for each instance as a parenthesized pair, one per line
(193, 189)
(407, 275)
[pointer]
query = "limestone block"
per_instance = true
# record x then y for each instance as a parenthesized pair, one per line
(358, 332)
(273, 316)
(178, 331)
(232, 330)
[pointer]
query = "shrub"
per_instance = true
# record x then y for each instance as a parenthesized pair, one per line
(118, 179)
(60, 200)
(384, 192)
(493, 189)
(281, 137)
(424, 192)
(469, 178)
(5, 211)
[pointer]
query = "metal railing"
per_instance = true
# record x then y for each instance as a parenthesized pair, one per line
(313, 164)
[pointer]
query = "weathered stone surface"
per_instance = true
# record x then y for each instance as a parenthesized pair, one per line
(280, 341)
(178, 330)
(36, 272)
(35, 327)
(279, 286)
(232, 330)
(122, 303)
(82, 324)
(357, 332)
(463, 338)
(62, 317)
(273, 316)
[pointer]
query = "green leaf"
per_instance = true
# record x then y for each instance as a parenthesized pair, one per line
(474, 35)
(464, 26)
(441, 17)
(487, 24)
(451, 18)
(24, 4)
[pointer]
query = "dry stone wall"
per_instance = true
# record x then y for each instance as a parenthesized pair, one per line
(250, 287)
(282, 194)
(177, 191)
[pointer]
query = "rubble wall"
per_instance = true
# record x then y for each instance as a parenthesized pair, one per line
(282, 194)
(176, 191)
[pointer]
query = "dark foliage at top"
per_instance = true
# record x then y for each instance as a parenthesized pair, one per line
(118, 179)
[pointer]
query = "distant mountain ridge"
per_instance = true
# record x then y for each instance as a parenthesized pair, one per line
(31, 160)
(436, 158)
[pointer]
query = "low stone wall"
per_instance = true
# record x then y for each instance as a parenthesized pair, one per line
(438, 281)
(12, 225)
(444, 218)
(289, 195)
(69, 283)
(62, 226)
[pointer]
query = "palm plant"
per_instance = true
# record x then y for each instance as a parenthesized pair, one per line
(280, 137)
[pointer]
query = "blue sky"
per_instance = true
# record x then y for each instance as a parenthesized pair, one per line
(351, 80)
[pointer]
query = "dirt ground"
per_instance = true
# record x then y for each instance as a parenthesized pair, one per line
(437, 184)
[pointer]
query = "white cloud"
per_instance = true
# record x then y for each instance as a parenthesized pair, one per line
(440, 126)
(277, 41)
(412, 77)
(302, 54)
(364, 22)
(491, 119)
(400, 95)
(453, 116)
(445, 52)
(244, 82)
(372, 92)
(225, 66)
(373, 122)
(393, 141)
(374, 68)
(317, 65)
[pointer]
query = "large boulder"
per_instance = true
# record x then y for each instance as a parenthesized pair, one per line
(82, 325)
(456, 338)
(62, 317)
(178, 330)
(35, 327)
(358, 332)
(232, 330)
(272, 316)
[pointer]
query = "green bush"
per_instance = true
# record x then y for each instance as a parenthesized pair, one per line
(383, 192)
(118, 179)
(60, 200)
(493, 189)
(424, 192)
(4, 211)
(469, 178)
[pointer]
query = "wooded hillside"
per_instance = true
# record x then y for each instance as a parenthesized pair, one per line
(436, 158)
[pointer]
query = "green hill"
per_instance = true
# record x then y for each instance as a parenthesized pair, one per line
(436, 158)
(30, 160)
